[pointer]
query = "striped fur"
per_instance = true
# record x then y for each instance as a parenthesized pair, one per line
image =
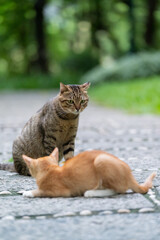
(54, 125)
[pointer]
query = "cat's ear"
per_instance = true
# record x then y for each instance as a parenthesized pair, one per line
(85, 86)
(64, 88)
(55, 154)
(27, 160)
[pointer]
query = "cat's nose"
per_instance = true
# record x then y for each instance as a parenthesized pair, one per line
(77, 108)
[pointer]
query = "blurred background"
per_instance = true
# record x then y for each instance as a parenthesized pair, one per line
(114, 44)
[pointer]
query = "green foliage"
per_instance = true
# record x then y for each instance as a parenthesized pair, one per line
(36, 81)
(134, 66)
(77, 35)
(80, 62)
(136, 96)
(10, 160)
(16, 35)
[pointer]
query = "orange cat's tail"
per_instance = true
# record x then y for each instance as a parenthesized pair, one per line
(143, 188)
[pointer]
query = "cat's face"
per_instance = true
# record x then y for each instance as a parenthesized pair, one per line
(74, 98)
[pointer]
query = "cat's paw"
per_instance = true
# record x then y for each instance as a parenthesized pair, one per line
(99, 193)
(89, 193)
(28, 194)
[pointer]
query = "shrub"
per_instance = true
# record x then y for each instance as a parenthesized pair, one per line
(80, 62)
(37, 81)
(126, 68)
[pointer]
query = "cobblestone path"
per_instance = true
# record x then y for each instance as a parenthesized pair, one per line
(134, 139)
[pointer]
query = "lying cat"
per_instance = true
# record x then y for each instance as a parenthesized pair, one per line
(89, 173)
(54, 125)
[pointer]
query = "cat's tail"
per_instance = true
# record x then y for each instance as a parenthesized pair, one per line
(142, 188)
(7, 167)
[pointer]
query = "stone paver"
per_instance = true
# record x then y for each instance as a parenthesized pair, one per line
(134, 139)
(115, 226)
(19, 206)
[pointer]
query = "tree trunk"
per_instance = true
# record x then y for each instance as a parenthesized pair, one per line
(96, 19)
(132, 26)
(150, 22)
(41, 61)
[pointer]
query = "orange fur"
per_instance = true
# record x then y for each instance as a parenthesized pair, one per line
(86, 171)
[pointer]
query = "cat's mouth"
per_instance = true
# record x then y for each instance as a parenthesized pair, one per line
(75, 112)
(78, 111)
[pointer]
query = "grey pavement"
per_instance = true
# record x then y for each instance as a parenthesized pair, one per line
(133, 138)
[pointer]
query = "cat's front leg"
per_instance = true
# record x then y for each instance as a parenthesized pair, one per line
(68, 148)
(69, 155)
(49, 143)
(33, 193)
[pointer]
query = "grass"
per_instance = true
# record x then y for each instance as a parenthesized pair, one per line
(136, 96)
(10, 160)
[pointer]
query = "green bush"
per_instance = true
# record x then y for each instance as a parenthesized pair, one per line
(126, 68)
(37, 81)
(80, 63)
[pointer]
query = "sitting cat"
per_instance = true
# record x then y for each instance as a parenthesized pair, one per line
(54, 125)
(89, 174)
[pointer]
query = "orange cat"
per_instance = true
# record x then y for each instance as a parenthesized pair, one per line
(91, 173)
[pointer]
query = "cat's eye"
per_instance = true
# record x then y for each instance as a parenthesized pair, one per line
(82, 101)
(70, 101)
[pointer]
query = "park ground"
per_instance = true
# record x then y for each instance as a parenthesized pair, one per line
(133, 138)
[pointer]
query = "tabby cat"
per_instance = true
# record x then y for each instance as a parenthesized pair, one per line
(92, 174)
(54, 125)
